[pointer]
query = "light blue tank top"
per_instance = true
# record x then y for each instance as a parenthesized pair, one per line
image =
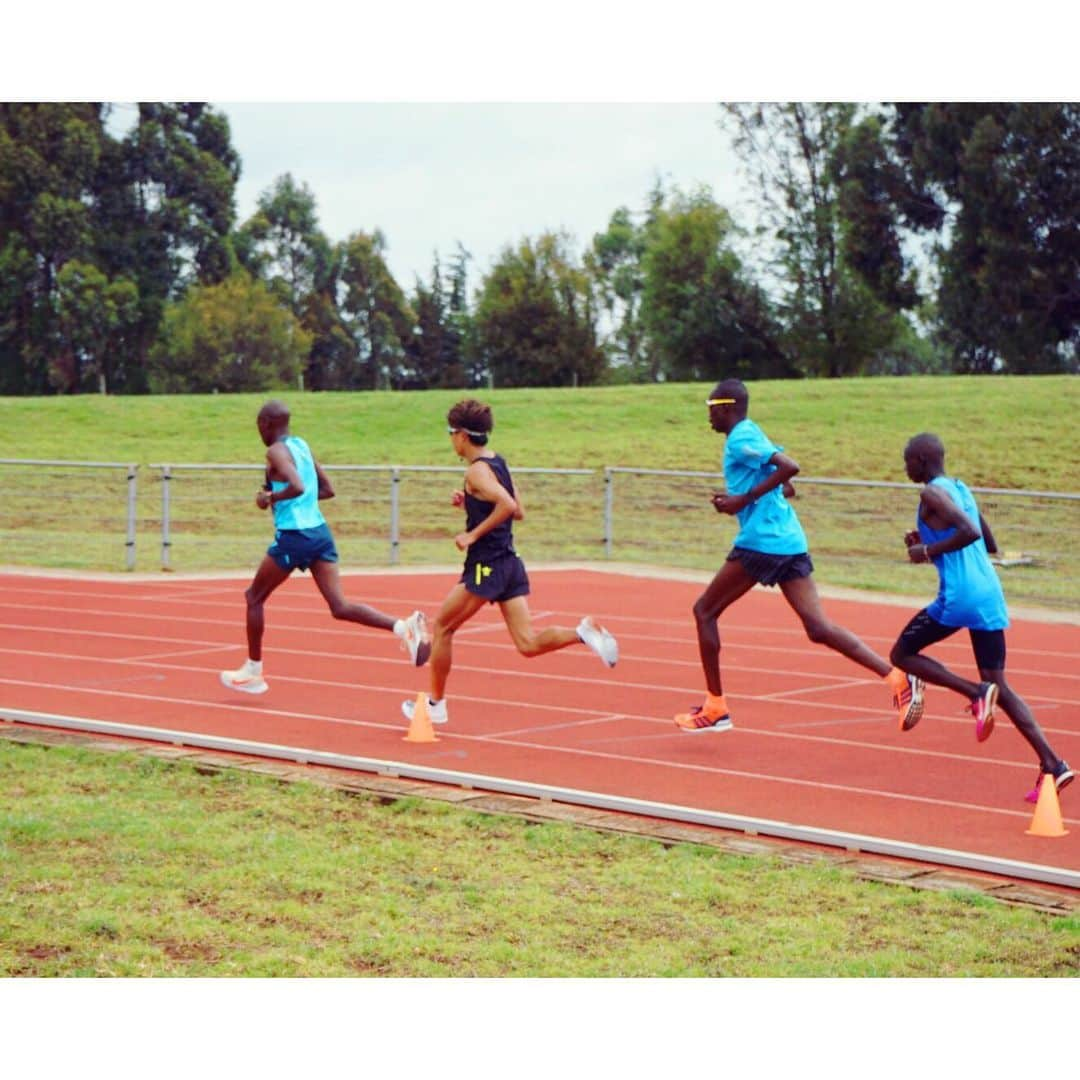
(769, 525)
(969, 592)
(302, 512)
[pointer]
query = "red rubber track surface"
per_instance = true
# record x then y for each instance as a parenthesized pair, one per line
(815, 740)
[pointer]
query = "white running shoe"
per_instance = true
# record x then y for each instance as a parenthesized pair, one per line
(243, 680)
(599, 640)
(436, 713)
(415, 638)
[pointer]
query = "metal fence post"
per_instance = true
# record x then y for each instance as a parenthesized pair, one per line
(166, 542)
(131, 513)
(609, 510)
(395, 514)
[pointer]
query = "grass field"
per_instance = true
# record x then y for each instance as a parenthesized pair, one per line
(1001, 432)
(123, 865)
(1007, 432)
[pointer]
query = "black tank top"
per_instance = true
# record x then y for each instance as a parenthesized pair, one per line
(500, 541)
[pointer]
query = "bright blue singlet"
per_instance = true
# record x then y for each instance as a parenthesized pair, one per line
(302, 512)
(969, 592)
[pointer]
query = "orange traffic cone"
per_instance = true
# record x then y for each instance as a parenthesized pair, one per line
(420, 729)
(1047, 820)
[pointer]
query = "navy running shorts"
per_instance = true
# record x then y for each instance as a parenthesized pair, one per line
(768, 569)
(297, 549)
(498, 580)
(924, 630)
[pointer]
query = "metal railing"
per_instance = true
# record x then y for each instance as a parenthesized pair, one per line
(400, 514)
(52, 501)
(395, 501)
(854, 527)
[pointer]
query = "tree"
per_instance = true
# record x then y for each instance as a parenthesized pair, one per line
(49, 160)
(282, 245)
(94, 316)
(835, 324)
(701, 313)
(152, 209)
(376, 313)
(534, 322)
(615, 264)
(436, 352)
(166, 208)
(233, 336)
(1000, 183)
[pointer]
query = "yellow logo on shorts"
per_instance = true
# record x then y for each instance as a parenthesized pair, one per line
(482, 572)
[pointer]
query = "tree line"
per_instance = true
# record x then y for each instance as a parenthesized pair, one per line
(887, 238)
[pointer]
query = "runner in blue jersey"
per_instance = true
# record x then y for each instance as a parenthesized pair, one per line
(769, 549)
(952, 534)
(493, 572)
(295, 484)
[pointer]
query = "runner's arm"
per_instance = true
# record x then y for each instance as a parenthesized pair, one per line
(326, 489)
(937, 506)
(785, 469)
(482, 482)
(280, 466)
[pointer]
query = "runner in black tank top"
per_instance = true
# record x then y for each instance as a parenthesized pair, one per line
(494, 572)
(500, 541)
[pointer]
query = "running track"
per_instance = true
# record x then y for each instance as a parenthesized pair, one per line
(815, 740)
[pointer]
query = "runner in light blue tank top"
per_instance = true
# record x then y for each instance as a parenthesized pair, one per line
(302, 540)
(952, 534)
(769, 549)
(970, 593)
(301, 512)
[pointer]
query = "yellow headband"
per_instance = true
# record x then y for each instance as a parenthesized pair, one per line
(720, 401)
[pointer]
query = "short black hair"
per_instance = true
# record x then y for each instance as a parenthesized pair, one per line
(736, 389)
(474, 418)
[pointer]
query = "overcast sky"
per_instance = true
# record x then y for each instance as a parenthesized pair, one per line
(429, 173)
(485, 175)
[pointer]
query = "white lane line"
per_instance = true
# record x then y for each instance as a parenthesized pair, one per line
(504, 704)
(710, 770)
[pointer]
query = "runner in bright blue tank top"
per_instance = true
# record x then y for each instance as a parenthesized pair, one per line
(770, 549)
(952, 534)
(295, 483)
(493, 572)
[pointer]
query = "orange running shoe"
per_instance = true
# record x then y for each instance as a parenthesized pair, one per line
(908, 702)
(712, 716)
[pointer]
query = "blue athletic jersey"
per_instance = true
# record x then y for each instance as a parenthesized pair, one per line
(302, 512)
(500, 541)
(770, 524)
(969, 592)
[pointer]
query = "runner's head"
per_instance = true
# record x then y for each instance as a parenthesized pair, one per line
(273, 421)
(728, 404)
(470, 420)
(924, 457)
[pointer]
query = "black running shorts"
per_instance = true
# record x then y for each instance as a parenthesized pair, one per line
(924, 631)
(497, 580)
(772, 569)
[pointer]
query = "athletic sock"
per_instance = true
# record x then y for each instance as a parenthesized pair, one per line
(897, 679)
(716, 703)
(399, 627)
(253, 667)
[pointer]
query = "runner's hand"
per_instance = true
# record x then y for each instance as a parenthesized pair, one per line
(729, 504)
